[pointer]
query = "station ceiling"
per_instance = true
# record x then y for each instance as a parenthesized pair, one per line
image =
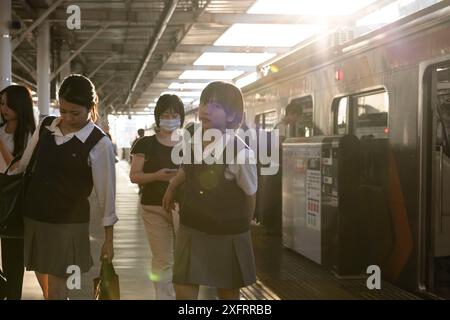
(134, 50)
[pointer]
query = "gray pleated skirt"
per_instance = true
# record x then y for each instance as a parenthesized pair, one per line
(221, 261)
(51, 248)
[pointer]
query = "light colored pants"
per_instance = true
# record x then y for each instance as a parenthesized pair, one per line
(161, 227)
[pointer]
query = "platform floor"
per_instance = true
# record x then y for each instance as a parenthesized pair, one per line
(290, 276)
(282, 273)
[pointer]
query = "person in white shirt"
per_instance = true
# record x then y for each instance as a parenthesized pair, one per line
(213, 246)
(69, 156)
(18, 125)
(288, 122)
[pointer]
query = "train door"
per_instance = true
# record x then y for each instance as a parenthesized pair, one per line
(265, 206)
(366, 116)
(439, 219)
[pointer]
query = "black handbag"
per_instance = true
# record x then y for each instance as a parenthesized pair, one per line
(12, 188)
(12, 192)
(106, 286)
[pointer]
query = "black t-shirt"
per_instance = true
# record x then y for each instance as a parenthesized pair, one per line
(157, 156)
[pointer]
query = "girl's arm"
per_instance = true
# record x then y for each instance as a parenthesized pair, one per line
(247, 179)
(179, 178)
(168, 198)
(102, 161)
(108, 247)
(137, 174)
(250, 203)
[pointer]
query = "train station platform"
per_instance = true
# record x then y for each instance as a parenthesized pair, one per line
(282, 274)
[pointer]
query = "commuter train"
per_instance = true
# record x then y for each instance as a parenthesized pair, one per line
(390, 89)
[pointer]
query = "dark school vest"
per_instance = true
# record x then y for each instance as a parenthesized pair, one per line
(211, 203)
(61, 182)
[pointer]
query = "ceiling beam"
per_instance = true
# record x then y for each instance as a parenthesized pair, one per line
(103, 101)
(34, 25)
(101, 65)
(108, 80)
(181, 36)
(25, 66)
(232, 49)
(182, 67)
(371, 8)
(180, 18)
(161, 80)
(27, 7)
(350, 20)
(22, 23)
(78, 51)
(232, 18)
(167, 15)
(25, 81)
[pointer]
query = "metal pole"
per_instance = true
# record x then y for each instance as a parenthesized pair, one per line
(43, 68)
(25, 81)
(169, 10)
(27, 68)
(65, 55)
(5, 44)
(98, 89)
(78, 51)
(100, 66)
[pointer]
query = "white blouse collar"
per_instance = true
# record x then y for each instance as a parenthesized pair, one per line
(82, 134)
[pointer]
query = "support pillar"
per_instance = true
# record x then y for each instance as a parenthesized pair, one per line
(43, 68)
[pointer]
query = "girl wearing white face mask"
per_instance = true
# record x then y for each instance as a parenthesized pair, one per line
(153, 167)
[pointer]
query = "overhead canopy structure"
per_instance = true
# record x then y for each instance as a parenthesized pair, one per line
(135, 50)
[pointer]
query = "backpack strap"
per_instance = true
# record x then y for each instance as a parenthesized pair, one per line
(32, 164)
(46, 122)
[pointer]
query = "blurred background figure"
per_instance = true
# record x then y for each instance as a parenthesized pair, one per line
(287, 125)
(140, 134)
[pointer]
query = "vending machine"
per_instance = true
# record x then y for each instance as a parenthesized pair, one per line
(320, 204)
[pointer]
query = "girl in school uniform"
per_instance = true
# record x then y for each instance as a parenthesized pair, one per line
(69, 155)
(213, 246)
(152, 167)
(15, 132)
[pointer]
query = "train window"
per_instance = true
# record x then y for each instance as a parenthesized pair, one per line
(303, 107)
(443, 132)
(341, 116)
(266, 121)
(270, 119)
(259, 121)
(370, 115)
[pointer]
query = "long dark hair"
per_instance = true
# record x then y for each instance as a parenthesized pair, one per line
(18, 99)
(79, 90)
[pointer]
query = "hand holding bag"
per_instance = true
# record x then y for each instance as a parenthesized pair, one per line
(106, 286)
